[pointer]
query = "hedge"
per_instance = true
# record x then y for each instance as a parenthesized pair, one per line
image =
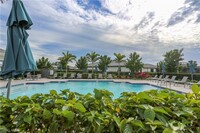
(155, 111)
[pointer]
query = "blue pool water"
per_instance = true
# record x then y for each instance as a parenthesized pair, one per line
(78, 86)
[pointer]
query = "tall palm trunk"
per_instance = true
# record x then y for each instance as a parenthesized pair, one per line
(118, 69)
(66, 69)
(92, 66)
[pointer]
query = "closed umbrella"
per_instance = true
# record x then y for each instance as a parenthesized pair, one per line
(18, 58)
(191, 69)
(163, 69)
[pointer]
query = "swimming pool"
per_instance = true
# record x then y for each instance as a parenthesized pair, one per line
(81, 87)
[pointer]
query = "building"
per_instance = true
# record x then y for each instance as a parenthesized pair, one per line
(113, 67)
(2, 54)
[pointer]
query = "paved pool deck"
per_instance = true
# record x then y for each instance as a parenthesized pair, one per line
(175, 87)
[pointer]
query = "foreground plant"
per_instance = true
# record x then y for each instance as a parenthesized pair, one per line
(152, 111)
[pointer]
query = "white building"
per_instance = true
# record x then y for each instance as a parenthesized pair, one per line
(113, 67)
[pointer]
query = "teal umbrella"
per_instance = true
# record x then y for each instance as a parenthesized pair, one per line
(18, 58)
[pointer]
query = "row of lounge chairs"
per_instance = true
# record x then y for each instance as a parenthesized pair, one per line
(79, 76)
(166, 80)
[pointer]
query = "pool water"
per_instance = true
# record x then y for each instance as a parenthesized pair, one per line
(81, 87)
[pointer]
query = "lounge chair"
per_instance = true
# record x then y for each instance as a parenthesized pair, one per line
(79, 76)
(29, 76)
(72, 76)
(159, 78)
(64, 76)
(170, 81)
(183, 81)
(164, 79)
(55, 75)
(110, 76)
(153, 78)
(190, 84)
(89, 76)
(100, 76)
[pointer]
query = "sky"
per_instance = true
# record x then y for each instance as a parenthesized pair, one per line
(148, 27)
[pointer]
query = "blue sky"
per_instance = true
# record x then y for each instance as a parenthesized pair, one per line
(148, 27)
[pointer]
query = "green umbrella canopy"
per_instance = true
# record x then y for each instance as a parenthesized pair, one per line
(18, 56)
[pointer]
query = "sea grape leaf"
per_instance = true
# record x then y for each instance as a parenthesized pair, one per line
(128, 128)
(68, 114)
(98, 94)
(149, 115)
(167, 130)
(46, 114)
(80, 107)
(143, 95)
(61, 101)
(138, 123)
(53, 92)
(195, 88)
(160, 110)
(28, 118)
(3, 129)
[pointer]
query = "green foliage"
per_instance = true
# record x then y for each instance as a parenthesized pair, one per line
(119, 59)
(104, 62)
(66, 58)
(151, 111)
(82, 63)
(134, 63)
(92, 57)
(172, 60)
(43, 63)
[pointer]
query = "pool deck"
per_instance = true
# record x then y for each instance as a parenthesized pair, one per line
(175, 87)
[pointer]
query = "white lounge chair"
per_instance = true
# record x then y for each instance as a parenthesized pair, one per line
(72, 76)
(29, 76)
(183, 81)
(79, 76)
(170, 81)
(89, 76)
(190, 84)
(153, 78)
(55, 75)
(100, 76)
(64, 76)
(164, 79)
(159, 78)
(110, 76)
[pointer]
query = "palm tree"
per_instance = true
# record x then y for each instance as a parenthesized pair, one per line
(92, 57)
(104, 62)
(134, 63)
(82, 63)
(67, 57)
(43, 63)
(119, 59)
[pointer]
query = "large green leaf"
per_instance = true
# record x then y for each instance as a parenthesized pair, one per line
(46, 114)
(167, 130)
(138, 123)
(53, 92)
(3, 129)
(149, 115)
(28, 118)
(128, 128)
(98, 94)
(61, 101)
(143, 95)
(80, 107)
(160, 110)
(68, 114)
(195, 88)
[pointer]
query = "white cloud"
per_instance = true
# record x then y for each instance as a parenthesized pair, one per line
(132, 25)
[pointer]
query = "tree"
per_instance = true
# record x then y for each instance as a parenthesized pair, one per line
(43, 63)
(67, 57)
(92, 57)
(134, 63)
(82, 63)
(119, 59)
(172, 60)
(104, 62)
(159, 66)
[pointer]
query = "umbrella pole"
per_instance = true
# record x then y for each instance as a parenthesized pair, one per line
(8, 90)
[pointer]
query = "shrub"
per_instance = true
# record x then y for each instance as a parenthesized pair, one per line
(152, 111)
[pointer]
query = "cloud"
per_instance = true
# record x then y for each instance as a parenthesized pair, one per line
(149, 27)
